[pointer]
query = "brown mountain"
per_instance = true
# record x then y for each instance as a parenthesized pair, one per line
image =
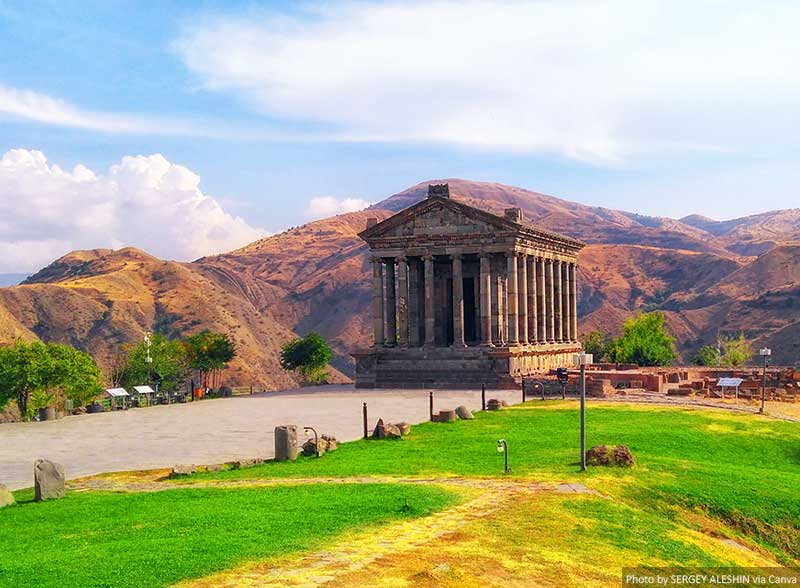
(705, 277)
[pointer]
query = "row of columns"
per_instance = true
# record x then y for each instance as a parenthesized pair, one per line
(535, 302)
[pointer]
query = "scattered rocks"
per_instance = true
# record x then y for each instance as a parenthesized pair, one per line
(494, 404)
(447, 416)
(603, 455)
(243, 464)
(380, 430)
(623, 456)
(405, 428)
(215, 467)
(331, 441)
(286, 443)
(310, 447)
(393, 431)
(599, 455)
(79, 410)
(48, 480)
(388, 430)
(182, 470)
(6, 498)
(464, 413)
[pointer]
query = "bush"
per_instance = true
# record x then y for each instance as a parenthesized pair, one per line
(307, 356)
(645, 341)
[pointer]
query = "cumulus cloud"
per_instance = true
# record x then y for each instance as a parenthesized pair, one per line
(596, 81)
(143, 201)
(324, 206)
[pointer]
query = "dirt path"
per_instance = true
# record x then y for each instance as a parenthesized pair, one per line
(357, 551)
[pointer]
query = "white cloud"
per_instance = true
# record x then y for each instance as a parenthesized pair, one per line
(597, 81)
(144, 201)
(324, 206)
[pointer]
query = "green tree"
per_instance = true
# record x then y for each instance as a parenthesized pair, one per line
(209, 353)
(32, 373)
(169, 364)
(707, 355)
(735, 350)
(645, 341)
(307, 356)
(596, 343)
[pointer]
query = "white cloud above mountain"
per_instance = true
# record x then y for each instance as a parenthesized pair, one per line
(324, 206)
(143, 201)
(594, 81)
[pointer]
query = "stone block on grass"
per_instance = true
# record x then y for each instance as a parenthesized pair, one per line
(6, 497)
(48, 480)
(181, 470)
(286, 448)
(464, 413)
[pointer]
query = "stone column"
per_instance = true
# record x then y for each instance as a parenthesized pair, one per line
(565, 297)
(402, 300)
(533, 313)
(391, 305)
(522, 261)
(486, 300)
(542, 298)
(551, 302)
(377, 300)
(502, 333)
(512, 300)
(430, 323)
(558, 282)
(413, 303)
(573, 269)
(458, 302)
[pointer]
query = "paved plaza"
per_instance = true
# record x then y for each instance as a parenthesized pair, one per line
(209, 431)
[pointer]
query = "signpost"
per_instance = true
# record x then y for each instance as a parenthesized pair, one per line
(764, 352)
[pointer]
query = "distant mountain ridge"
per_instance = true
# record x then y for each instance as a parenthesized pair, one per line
(707, 276)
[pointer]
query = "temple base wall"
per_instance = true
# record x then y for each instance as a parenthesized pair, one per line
(469, 367)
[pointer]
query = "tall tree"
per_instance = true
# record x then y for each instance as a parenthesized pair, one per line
(209, 353)
(307, 356)
(645, 341)
(169, 366)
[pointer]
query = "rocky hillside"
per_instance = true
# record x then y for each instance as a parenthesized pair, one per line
(707, 276)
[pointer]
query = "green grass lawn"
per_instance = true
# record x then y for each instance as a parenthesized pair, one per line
(738, 467)
(156, 539)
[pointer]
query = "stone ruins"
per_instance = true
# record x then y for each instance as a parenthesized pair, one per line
(463, 297)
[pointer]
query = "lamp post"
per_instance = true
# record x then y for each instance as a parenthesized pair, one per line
(148, 358)
(502, 447)
(316, 438)
(583, 359)
(764, 352)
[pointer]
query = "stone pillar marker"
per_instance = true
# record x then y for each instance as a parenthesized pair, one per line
(286, 443)
(522, 261)
(377, 301)
(402, 301)
(391, 306)
(533, 314)
(551, 307)
(48, 480)
(486, 300)
(458, 301)
(558, 282)
(430, 323)
(574, 281)
(499, 312)
(512, 299)
(565, 297)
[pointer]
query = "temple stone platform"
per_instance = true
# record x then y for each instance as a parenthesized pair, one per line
(458, 368)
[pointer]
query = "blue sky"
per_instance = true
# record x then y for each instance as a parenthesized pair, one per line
(274, 113)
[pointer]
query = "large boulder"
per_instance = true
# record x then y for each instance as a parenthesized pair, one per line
(623, 456)
(286, 443)
(494, 404)
(464, 413)
(331, 442)
(405, 428)
(380, 430)
(599, 455)
(6, 498)
(393, 431)
(48, 480)
(310, 447)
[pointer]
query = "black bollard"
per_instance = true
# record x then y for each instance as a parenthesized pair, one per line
(366, 425)
(430, 405)
(483, 396)
(522, 387)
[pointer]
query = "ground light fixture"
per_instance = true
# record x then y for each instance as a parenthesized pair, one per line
(308, 431)
(502, 447)
(764, 352)
(582, 360)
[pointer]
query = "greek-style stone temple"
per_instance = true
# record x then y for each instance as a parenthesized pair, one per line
(462, 297)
